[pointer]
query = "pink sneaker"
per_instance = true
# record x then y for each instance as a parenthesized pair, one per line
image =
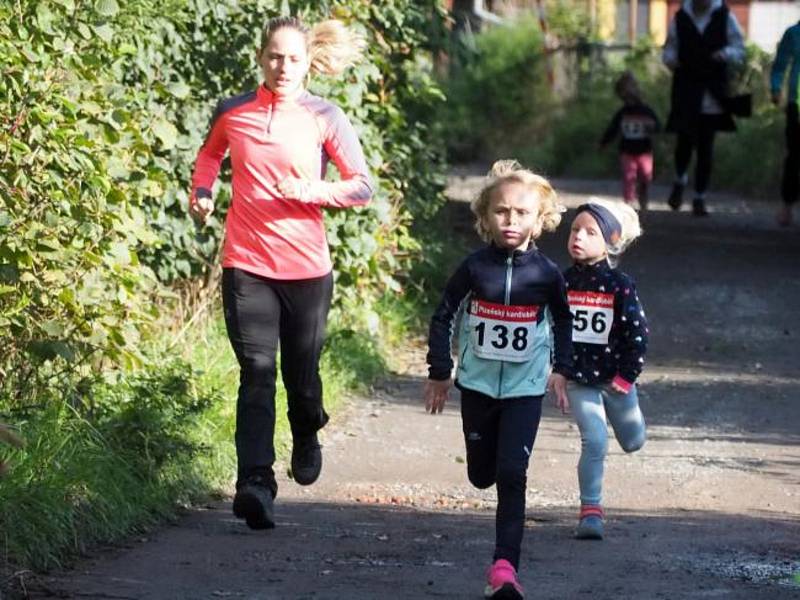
(502, 582)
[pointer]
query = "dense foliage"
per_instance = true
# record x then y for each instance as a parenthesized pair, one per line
(103, 106)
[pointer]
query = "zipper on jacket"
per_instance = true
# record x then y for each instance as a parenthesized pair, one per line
(506, 301)
(509, 269)
(271, 115)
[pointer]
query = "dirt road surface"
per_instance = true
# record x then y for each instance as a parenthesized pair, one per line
(710, 508)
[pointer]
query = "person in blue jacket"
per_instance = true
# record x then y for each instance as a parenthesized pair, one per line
(506, 289)
(788, 53)
(609, 341)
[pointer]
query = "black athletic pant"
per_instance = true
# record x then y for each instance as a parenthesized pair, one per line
(499, 436)
(260, 313)
(702, 139)
(791, 165)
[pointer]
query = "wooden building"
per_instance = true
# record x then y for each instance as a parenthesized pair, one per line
(625, 21)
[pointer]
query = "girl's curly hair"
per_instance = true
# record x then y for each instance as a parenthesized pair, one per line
(505, 172)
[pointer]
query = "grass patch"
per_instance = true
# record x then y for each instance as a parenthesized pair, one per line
(117, 456)
(114, 463)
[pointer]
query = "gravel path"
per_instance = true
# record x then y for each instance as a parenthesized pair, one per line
(708, 509)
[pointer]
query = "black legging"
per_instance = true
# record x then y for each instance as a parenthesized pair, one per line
(259, 313)
(703, 139)
(499, 436)
(790, 185)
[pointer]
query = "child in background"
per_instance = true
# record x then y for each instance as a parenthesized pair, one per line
(636, 122)
(504, 350)
(609, 338)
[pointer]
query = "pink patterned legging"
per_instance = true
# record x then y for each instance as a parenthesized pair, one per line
(636, 168)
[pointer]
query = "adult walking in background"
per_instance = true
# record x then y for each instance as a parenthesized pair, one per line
(703, 41)
(277, 281)
(788, 53)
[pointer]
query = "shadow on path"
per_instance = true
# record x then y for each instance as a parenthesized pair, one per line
(324, 550)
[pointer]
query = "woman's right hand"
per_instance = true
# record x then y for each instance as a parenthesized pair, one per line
(294, 188)
(436, 393)
(201, 209)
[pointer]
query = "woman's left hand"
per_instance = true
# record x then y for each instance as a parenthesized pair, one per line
(294, 188)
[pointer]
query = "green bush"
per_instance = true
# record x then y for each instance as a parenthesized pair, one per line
(71, 285)
(500, 87)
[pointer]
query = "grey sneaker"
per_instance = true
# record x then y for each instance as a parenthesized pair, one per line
(589, 528)
(253, 502)
(306, 459)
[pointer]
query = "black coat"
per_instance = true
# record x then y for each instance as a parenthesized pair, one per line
(698, 72)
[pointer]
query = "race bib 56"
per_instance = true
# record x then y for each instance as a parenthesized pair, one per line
(592, 316)
(501, 332)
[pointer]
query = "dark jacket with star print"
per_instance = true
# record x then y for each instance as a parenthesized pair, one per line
(623, 357)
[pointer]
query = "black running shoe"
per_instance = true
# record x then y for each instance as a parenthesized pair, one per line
(699, 208)
(306, 459)
(254, 503)
(676, 196)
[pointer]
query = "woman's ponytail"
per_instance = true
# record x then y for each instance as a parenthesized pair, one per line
(332, 47)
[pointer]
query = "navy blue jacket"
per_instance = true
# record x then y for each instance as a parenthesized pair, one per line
(623, 355)
(514, 279)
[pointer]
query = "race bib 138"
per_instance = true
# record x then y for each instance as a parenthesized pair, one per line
(592, 316)
(501, 332)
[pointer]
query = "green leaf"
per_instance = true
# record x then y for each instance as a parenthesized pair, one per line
(165, 132)
(152, 188)
(9, 273)
(67, 297)
(48, 245)
(51, 349)
(53, 328)
(179, 89)
(30, 55)
(84, 31)
(105, 32)
(67, 4)
(44, 17)
(107, 8)
(54, 277)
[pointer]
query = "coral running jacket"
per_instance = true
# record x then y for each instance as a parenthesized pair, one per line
(271, 138)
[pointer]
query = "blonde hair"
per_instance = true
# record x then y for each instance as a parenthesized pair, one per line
(332, 47)
(506, 172)
(628, 219)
